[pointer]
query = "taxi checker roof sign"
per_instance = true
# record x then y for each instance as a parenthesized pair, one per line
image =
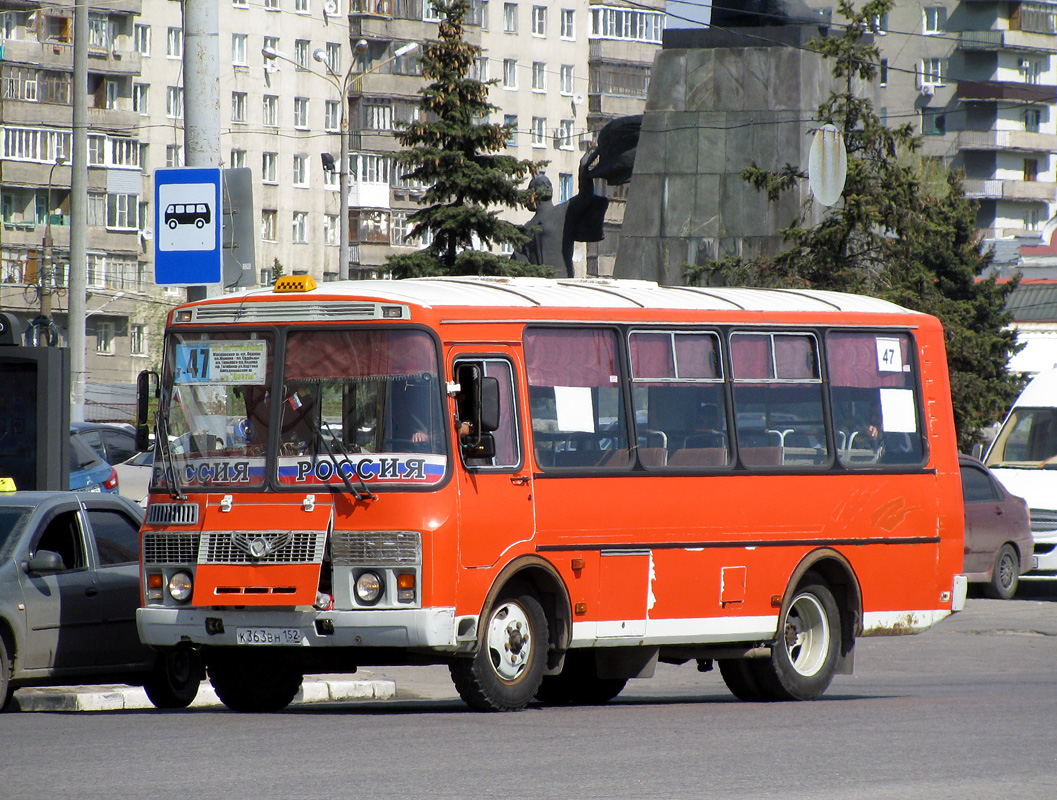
(187, 224)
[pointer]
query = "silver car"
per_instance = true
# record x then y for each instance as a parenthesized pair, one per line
(69, 589)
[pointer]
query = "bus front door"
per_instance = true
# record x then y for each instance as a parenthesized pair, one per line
(495, 492)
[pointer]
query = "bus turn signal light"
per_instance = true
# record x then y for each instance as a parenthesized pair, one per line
(405, 587)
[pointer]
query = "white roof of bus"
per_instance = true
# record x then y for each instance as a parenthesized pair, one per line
(586, 293)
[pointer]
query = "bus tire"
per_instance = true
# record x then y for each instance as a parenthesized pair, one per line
(1006, 575)
(740, 676)
(804, 656)
(175, 679)
(253, 682)
(578, 683)
(506, 671)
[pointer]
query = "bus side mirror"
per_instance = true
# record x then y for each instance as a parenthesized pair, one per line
(147, 384)
(481, 446)
(978, 450)
(489, 404)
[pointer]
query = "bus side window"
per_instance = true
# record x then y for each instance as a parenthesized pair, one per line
(504, 436)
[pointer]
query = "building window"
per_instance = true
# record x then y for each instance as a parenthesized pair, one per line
(333, 55)
(509, 17)
(141, 99)
(332, 116)
(369, 227)
(565, 186)
(301, 112)
(377, 114)
(568, 24)
(1031, 69)
(174, 155)
(271, 44)
(302, 7)
(1032, 120)
(112, 90)
(880, 24)
(331, 229)
(480, 69)
(883, 72)
(398, 230)
(539, 20)
(271, 5)
(1031, 169)
(121, 211)
(935, 20)
(629, 80)
(539, 132)
(269, 170)
(238, 49)
(510, 123)
(931, 72)
(331, 179)
(539, 76)
(174, 102)
(269, 226)
(933, 122)
(240, 3)
(565, 134)
(628, 24)
(141, 39)
(566, 80)
(1032, 219)
(104, 338)
(238, 106)
(270, 111)
(301, 170)
(300, 232)
(370, 168)
(301, 53)
(137, 340)
(174, 43)
(509, 73)
(238, 159)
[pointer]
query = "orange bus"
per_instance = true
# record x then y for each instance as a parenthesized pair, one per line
(547, 485)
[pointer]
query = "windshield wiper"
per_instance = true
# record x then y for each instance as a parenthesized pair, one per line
(363, 493)
(161, 440)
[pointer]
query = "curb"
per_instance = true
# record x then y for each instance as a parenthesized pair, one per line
(128, 698)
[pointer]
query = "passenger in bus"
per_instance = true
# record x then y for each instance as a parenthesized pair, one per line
(706, 429)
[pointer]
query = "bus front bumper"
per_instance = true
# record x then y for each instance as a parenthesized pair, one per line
(428, 628)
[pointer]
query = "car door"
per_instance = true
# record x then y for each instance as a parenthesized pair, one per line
(984, 528)
(63, 612)
(113, 533)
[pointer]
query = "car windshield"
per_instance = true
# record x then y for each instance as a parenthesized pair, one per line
(12, 520)
(216, 413)
(1027, 440)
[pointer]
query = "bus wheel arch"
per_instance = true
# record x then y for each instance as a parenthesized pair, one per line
(840, 578)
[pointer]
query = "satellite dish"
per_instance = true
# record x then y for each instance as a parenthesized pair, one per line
(827, 166)
(577, 99)
(147, 233)
(330, 7)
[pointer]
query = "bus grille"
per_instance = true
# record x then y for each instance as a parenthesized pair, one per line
(1043, 520)
(287, 312)
(172, 514)
(276, 547)
(170, 548)
(378, 548)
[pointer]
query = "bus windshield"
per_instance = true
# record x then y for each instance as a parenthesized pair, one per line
(365, 404)
(1028, 440)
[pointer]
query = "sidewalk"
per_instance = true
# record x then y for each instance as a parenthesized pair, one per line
(316, 689)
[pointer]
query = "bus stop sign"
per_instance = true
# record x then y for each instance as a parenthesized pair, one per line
(187, 224)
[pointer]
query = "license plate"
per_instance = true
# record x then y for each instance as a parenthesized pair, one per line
(280, 636)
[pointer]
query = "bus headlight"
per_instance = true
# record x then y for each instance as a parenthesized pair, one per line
(181, 586)
(369, 588)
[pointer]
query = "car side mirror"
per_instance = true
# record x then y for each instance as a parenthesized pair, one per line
(44, 561)
(978, 450)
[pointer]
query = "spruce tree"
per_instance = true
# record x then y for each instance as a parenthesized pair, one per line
(896, 234)
(454, 151)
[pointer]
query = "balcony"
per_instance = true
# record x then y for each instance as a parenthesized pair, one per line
(1018, 141)
(1006, 40)
(998, 189)
(992, 91)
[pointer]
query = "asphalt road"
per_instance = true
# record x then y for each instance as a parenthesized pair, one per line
(966, 710)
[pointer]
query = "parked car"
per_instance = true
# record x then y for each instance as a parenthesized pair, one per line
(112, 442)
(998, 541)
(69, 590)
(89, 472)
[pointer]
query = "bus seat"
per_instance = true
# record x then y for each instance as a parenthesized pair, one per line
(653, 456)
(761, 456)
(698, 457)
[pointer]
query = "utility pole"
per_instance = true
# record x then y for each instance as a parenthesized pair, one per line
(201, 98)
(76, 317)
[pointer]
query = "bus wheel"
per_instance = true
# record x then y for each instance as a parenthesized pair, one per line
(253, 681)
(507, 668)
(175, 679)
(1006, 575)
(740, 676)
(578, 684)
(804, 656)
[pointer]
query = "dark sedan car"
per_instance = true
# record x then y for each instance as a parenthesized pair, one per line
(998, 541)
(69, 589)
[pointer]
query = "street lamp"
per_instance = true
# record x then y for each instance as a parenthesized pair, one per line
(342, 85)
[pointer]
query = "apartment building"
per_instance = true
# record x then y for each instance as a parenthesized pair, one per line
(36, 79)
(978, 79)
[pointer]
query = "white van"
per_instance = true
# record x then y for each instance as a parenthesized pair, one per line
(1024, 458)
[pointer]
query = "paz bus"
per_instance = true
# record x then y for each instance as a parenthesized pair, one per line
(548, 485)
